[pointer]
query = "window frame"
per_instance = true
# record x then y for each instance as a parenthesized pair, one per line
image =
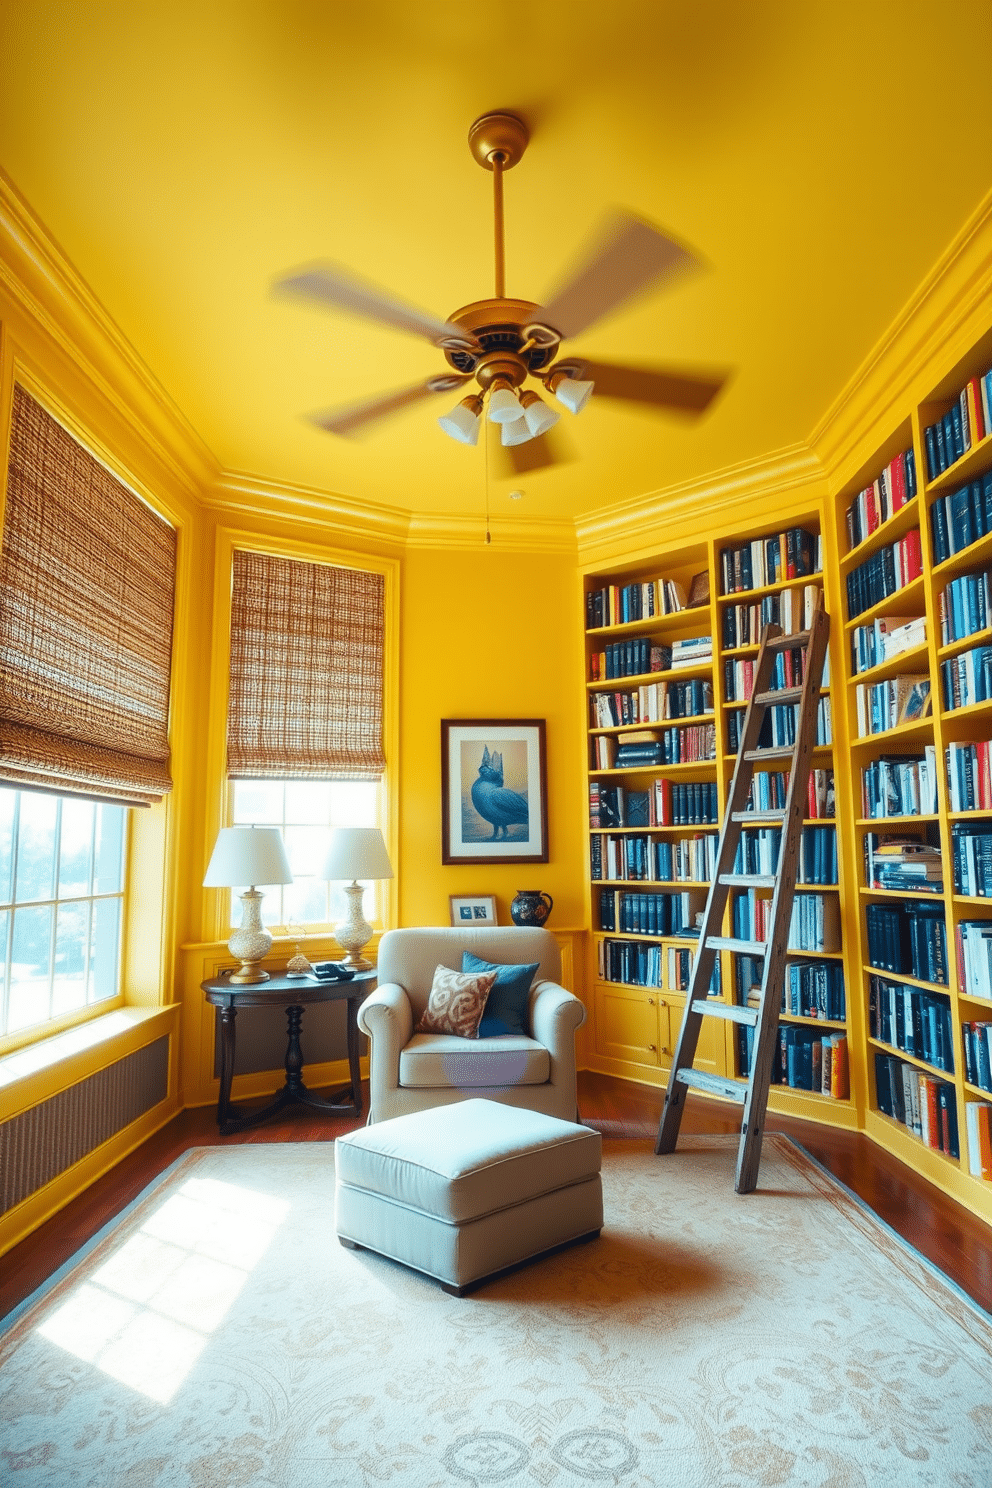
(381, 904)
(148, 950)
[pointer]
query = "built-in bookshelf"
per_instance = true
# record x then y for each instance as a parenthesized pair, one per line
(886, 1014)
(662, 747)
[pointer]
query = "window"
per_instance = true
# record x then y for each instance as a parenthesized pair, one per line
(305, 811)
(61, 905)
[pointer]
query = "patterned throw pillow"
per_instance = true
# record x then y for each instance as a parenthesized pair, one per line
(456, 1003)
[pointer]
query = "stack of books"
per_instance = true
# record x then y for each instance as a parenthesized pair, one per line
(631, 658)
(974, 943)
(905, 864)
(886, 637)
(923, 1104)
(909, 939)
(892, 568)
(900, 785)
(967, 678)
(912, 1020)
(885, 705)
(969, 776)
(958, 520)
(965, 606)
(971, 845)
(769, 560)
(691, 651)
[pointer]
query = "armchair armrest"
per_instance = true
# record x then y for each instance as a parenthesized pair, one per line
(386, 1016)
(554, 1016)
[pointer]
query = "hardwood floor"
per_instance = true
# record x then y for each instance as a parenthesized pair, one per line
(955, 1240)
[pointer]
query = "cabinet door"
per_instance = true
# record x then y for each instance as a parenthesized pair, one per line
(632, 1025)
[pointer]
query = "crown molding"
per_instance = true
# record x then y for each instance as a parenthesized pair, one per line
(507, 534)
(42, 282)
(931, 331)
(643, 524)
(238, 492)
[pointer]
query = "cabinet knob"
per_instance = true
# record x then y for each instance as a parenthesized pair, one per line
(650, 1002)
(653, 1048)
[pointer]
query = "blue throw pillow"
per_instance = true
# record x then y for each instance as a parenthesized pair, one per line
(506, 1005)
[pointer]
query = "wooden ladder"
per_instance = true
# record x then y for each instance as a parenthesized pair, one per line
(752, 1093)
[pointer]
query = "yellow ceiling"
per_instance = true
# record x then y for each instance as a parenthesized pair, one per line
(818, 156)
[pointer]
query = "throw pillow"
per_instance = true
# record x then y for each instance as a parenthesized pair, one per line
(456, 1003)
(506, 1010)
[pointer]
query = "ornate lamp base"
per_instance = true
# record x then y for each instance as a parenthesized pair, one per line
(251, 942)
(354, 931)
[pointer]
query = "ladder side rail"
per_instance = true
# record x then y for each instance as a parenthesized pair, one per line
(716, 901)
(783, 897)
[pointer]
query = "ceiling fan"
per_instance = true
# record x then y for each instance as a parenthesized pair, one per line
(501, 342)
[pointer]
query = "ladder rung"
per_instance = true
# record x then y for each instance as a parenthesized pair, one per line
(789, 642)
(782, 695)
(774, 751)
(742, 947)
(749, 880)
(733, 1090)
(770, 813)
(730, 1012)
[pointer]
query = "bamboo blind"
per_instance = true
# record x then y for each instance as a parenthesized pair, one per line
(306, 680)
(87, 592)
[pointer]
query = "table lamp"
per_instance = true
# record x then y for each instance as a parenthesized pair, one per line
(248, 855)
(356, 852)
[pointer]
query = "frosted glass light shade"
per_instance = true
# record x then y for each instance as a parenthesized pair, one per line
(504, 405)
(517, 432)
(357, 852)
(573, 393)
(540, 418)
(464, 420)
(247, 855)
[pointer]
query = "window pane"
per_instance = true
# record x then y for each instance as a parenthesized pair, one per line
(305, 902)
(72, 934)
(354, 803)
(4, 930)
(308, 800)
(306, 848)
(30, 967)
(108, 876)
(75, 848)
(36, 847)
(8, 803)
(259, 802)
(105, 949)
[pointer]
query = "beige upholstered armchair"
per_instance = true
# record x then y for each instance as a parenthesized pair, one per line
(410, 1071)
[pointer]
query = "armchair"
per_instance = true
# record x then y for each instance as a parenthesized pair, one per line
(412, 1071)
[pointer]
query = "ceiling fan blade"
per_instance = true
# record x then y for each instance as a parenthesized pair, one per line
(356, 417)
(688, 392)
(629, 255)
(331, 284)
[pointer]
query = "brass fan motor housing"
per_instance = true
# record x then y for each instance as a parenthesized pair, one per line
(500, 327)
(498, 134)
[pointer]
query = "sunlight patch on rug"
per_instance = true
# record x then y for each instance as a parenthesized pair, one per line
(218, 1335)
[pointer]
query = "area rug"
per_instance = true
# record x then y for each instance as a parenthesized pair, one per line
(217, 1335)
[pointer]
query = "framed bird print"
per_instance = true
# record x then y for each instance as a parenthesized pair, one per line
(494, 791)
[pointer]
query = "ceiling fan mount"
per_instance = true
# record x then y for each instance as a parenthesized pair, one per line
(501, 341)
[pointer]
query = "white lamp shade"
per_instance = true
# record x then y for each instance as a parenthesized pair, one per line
(504, 405)
(463, 422)
(573, 393)
(517, 432)
(357, 853)
(247, 855)
(540, 418)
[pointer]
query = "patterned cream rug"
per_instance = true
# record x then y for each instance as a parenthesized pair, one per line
(217, 1336)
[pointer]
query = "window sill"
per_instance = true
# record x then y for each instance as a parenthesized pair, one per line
(39, 1070)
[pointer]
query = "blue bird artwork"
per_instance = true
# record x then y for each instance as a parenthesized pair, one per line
(496, 804)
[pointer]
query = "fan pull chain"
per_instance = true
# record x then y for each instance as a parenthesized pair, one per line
(485, 453)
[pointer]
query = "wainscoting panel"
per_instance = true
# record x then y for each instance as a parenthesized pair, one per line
(40, 1143)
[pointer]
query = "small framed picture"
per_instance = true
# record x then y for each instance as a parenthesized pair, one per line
(473, 909)
(494, 791)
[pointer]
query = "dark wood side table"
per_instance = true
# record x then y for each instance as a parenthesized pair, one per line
(293, 993)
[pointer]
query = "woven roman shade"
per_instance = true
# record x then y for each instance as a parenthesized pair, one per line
(305, 696)
(87, 591)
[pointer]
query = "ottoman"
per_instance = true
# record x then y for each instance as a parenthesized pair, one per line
(462, 1191)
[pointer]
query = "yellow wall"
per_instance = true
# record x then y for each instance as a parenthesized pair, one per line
(489, 634)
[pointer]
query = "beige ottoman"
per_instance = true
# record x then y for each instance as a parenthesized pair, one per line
(463, 1191)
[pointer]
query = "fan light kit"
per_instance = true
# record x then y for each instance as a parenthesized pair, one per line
(501, 342)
